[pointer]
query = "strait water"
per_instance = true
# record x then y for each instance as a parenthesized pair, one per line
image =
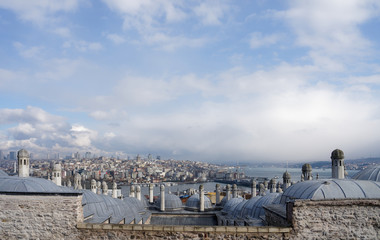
(269, 173)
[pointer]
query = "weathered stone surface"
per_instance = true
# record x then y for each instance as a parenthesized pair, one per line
(336, 219)
(40, 217)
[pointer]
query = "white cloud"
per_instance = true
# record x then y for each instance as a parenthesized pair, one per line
(62, 31)
(40, 131)
(211, 12)
(258, 40)
(170, 43)
(146, 15)
(332, 26)
(115, 38)
(28, 52)
(83, 46)
(39, 11)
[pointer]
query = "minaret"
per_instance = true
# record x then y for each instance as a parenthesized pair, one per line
(272, 185)
(228, 192)
(57, 179)
(201, 198)
(23, 163)
(138, 192)
(93, 185)
(151, 193)
(253, 188)
(162, 203)
(337, 164)
(217, 193)
(114, 190)
(104, 188)
(234, 191)
(286, 179)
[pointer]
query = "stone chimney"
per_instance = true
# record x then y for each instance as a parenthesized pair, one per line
(201, 198)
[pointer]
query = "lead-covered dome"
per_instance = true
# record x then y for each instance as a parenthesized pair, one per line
(337, 154)
(371, 173)
(193, 202)
(172, 202)
(286, 175)
(22, 154)
(331, 189)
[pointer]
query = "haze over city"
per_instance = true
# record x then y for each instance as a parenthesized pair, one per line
(215, 81)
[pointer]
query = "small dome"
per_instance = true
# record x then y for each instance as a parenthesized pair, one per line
(231, 204)
(224, 200)
(98, 208)
(193, 202)
(22, 154)
(172, 202)
(337, 154)
(254, 207)
(286, 175)
(306, 167)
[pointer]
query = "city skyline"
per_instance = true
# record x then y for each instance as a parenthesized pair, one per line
(214, 81)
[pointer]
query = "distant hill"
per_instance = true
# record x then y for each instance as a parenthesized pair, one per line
(327, 164)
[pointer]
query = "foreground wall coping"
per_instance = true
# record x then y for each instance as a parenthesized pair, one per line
(175, 228)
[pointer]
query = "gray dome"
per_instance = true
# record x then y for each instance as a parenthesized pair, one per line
(140, 205)
(337, 154)
(370, 173)
(224, 200)
(237, 210)
(172, 202)
(254, 207)
(22, 154)
(98, 208)
(231, 204)
(30, 185)
(332, 189)
(193, 202)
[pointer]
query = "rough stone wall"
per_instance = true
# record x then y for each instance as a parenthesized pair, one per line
(36, 217)
(336, 219)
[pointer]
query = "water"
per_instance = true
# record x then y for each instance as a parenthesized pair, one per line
(270, 172)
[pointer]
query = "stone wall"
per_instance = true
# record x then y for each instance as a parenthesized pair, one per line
(335, 219)
(122, 231)
(40, 217)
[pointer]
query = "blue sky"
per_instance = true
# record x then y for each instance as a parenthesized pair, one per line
(218, 81)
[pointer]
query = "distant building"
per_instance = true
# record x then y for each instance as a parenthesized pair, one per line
(12, 155)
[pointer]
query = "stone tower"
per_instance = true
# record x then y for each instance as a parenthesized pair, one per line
(306, 172)
(23, 163)
(56, 175)
(337, 164)
(286, 179)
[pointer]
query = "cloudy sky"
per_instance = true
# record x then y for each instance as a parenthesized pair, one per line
(218, 81)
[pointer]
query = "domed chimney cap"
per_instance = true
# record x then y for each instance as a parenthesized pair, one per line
(306, 167)
(23, 154)
(286, 175)
(337, 154)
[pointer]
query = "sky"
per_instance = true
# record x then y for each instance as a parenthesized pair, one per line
(214, 81)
